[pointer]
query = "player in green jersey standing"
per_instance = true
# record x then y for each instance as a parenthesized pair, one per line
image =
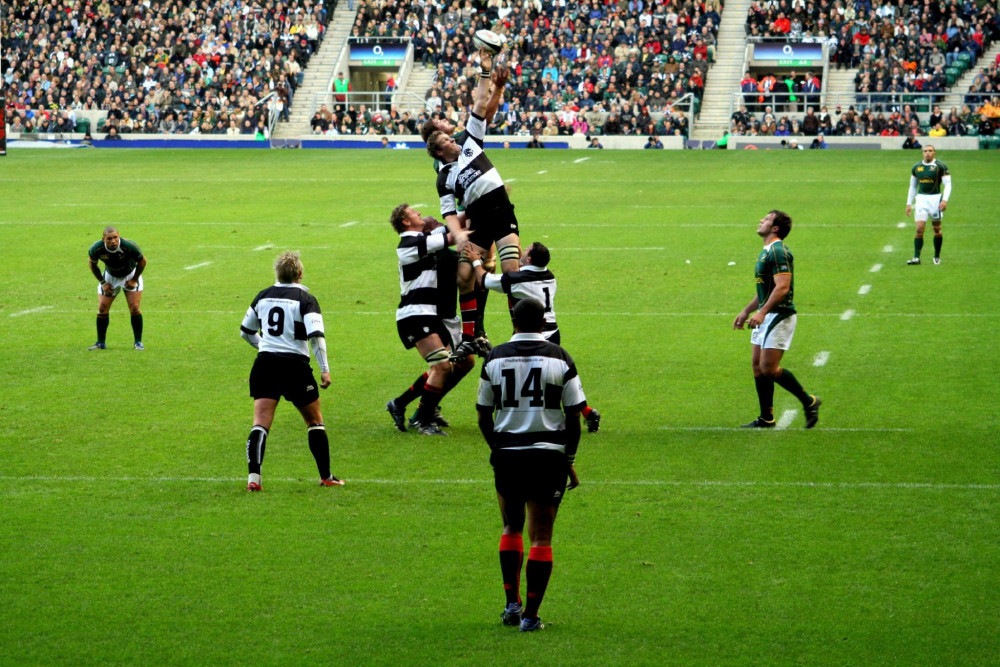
(774, 322)
(123, 267)
(930, 188)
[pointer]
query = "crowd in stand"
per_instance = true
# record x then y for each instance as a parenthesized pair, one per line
(583, 66)
(903, 121)
(899, 45)
(155, 66)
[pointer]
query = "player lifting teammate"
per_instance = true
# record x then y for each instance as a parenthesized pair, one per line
(535, 281)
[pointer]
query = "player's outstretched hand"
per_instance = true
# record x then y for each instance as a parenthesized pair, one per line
(485, 59)
(500, 75)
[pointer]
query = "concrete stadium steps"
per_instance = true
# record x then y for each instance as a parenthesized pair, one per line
(723, 78)
(420, 81)
(839, 87)
(956, 96)
(318, 73)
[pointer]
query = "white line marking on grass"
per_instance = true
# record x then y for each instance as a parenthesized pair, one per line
(740, 429)
(239, 481)
(865, 289)
(888, 248)
(583, 159)
(603, 249)
(266, 246)
(31, 310)
(875, 269)
(196, 266)
(901, 225)
(387, 313)
(821, 358)
(349, 224)
(846, 315)
(543, 171)
(510, 180)
(786, 419)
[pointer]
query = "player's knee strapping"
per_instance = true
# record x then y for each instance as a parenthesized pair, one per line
(508, 252)
(437, 356)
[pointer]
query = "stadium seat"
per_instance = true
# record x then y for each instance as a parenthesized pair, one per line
(101, 123)
(966, 59)
(82, 126)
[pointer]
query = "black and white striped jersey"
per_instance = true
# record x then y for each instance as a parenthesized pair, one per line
(471, 176)
(531, 282)
(529, 383)
(287, 316)
(418, 276)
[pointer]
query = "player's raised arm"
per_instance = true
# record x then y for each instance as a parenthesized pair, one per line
(481, 97)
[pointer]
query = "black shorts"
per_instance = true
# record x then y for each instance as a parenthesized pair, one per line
(492, 218)
(521, 475)
(413, 329)
(275, 375)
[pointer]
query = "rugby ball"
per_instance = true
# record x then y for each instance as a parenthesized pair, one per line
(488, 40)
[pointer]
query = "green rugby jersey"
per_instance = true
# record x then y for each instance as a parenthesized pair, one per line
(773, 260)
(120, 262)
(929, 177)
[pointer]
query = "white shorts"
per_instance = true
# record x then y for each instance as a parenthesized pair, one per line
(118, 284)
(774, 333)
(454, 327)
(927, 206)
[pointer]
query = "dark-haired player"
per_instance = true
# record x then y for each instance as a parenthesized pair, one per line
(930, 188)
(534, 280)
(774, 322)
(529, 404)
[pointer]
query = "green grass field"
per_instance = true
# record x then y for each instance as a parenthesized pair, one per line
(127, 535)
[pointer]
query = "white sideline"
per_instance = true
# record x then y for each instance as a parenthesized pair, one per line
(740, 429)
(31, 310)
(266, 246)
(463, 482)
(821, 358)
(387, 313)
(864, 289)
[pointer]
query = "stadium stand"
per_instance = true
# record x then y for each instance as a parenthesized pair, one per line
(596, 66)
(905, 54)
(154, 66)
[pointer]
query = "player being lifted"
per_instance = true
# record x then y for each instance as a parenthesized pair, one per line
(927, 179)
(468, 177)
(440, 122)
(535, 281)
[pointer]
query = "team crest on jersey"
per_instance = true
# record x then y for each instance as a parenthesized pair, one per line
(467, 152)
